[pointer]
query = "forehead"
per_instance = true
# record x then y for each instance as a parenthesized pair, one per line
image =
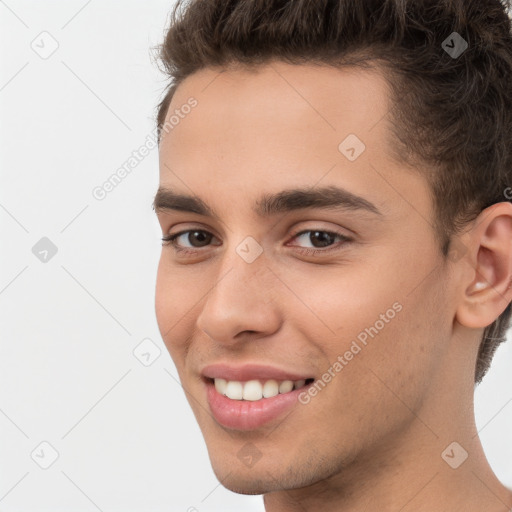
(279, 107)
(282, 124)
(275, 96)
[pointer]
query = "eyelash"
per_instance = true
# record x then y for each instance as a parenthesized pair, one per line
(169, 240)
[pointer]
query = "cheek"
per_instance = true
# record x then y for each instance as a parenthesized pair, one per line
(163, 300)
(344, 301)
(370, 319)
(172, 302)
(400, 357)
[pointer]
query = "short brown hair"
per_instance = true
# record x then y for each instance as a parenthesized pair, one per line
(451, 113)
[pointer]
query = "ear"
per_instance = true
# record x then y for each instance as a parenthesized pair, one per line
(488, 285)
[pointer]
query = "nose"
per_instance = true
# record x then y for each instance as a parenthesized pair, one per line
(243, 300)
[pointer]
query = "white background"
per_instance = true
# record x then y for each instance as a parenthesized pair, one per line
(125, 435)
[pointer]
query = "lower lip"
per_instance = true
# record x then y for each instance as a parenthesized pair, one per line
(246, 414)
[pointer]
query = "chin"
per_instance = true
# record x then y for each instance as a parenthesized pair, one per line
(264, 477)
(242, 479)
(247, 481)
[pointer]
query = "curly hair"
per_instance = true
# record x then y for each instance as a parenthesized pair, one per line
(451, 114)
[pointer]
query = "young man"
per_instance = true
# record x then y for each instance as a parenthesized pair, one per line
(337, 261)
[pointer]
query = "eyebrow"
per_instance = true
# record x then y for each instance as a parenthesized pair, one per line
(328, 198)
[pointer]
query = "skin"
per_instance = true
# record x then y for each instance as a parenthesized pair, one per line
(372, 438)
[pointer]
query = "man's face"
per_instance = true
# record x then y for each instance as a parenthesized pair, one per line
(378, 305)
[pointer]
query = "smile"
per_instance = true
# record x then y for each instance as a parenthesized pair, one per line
(254, 404)
(254, 390)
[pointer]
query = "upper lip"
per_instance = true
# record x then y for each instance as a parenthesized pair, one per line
(249, 371)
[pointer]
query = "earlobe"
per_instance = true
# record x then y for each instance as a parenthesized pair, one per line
(490, 291)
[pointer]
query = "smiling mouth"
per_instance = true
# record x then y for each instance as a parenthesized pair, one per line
(256, 389)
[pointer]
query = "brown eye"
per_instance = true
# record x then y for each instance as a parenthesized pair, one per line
(319, 239)
(195, 237)
(323, 238)
(198, 238)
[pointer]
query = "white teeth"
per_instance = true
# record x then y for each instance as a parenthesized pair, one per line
(220, 385)
(285, 386)
(270, 388)
(253, 390)
(234, 390)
